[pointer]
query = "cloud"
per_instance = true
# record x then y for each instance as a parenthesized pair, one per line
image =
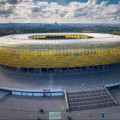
(14, 1)
(6, 12)
(10, 1)
(44, 12)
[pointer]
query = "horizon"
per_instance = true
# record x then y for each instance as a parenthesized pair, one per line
(67, 23)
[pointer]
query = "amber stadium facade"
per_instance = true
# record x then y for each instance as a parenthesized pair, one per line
(60, 52)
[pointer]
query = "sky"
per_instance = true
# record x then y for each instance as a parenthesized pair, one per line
(61, 11)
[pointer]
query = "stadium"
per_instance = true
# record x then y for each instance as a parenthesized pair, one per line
(82, 67)
(51, 52)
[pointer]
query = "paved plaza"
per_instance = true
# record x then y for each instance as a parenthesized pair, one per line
(24, 107)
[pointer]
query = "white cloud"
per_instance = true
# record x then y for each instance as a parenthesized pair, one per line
(44, 12)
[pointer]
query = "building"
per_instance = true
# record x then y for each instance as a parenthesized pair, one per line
(59, 52)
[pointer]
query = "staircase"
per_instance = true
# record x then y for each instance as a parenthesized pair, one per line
(3, 94)
(92, 99)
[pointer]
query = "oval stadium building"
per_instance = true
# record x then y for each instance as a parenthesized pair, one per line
(59, 60)
(60, 51)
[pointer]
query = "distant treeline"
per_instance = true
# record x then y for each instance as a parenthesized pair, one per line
(111, 30)
(52, 28)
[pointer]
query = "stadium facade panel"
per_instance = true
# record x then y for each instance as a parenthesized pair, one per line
(59, 50)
